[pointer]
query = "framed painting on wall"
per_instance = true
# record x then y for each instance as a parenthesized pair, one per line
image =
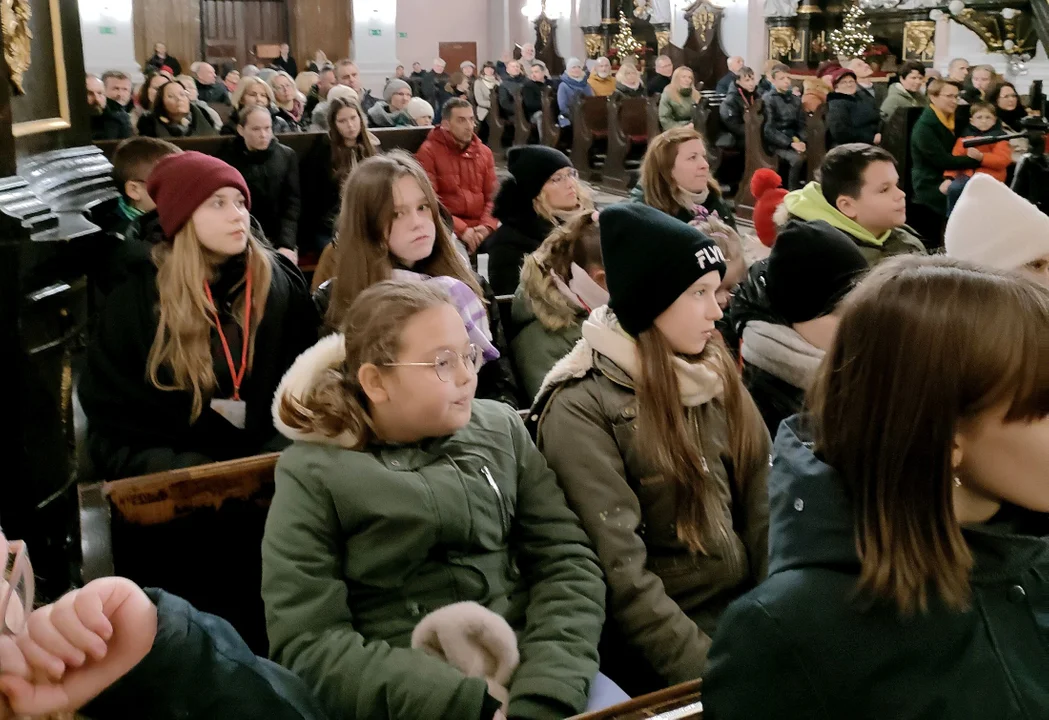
(36, 60)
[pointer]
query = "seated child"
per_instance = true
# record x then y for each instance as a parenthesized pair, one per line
(419, 558)
(561, 283)
(997, 158)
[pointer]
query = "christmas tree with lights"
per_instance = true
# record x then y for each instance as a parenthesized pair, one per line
(854, 35)
(624, 42)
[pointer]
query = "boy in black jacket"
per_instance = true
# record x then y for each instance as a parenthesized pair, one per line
(784, 129)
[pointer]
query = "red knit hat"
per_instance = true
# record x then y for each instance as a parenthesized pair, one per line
(181, 182)
(767, 188)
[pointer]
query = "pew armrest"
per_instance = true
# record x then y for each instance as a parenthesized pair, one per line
(96, 542)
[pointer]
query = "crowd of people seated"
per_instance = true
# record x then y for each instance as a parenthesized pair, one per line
(819, 480)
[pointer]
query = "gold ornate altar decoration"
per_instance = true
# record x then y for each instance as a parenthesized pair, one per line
(918, 40)
(783, 43)
(14, 18)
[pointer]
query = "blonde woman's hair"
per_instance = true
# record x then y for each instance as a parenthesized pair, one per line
(676, 78)
(305, 81)
(279, 74)
(545, 210)
(671, 437)
(247, 82)
(371, 329)
(180, 357)
(657, 182)
(364, 223)
(623, 70)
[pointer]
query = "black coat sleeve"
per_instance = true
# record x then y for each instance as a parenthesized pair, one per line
(289, 224)
(839, 123)
(731, 112)
(496, 380)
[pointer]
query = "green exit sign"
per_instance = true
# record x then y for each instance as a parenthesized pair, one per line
(107, 30)
(402, 34)
(375, 33)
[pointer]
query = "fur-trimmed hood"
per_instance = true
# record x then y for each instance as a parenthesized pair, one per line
(304, 374)
(539, 298)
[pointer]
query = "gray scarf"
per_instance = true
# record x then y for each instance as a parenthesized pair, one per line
(781, 352)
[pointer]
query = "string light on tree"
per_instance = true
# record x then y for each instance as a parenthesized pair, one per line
(854, 35)
(624, 41)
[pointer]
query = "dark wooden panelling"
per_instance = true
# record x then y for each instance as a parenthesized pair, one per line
(320, 25)
(232, 28)
(176, 23)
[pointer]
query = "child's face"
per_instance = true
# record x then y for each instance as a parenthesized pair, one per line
(417, 402)
(136, 192)
(413, 232)
(983, 120)
(222, 222)
(781, 81)
(882, 204)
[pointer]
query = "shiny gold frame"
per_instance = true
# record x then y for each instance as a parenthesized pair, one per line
(34, 127)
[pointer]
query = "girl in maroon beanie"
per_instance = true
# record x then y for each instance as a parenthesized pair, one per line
(191, 345)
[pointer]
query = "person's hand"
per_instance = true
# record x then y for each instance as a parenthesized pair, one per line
(484, 231)
(472, 239)
(292, 255)
(974, 154)
(877, 138)
(796, 90)
(799, 146)
(499, 715)
(12, 662)
(944, 185)
(79, 646)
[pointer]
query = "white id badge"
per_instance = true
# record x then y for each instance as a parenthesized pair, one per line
(233, 410)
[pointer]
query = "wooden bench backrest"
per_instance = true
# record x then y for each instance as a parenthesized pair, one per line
(654, 705)
(405, 138)
(633, 118)
(195, 532)
(589, 123)
(627, 131)
(551, 126)
(816, 145)
(755, 156)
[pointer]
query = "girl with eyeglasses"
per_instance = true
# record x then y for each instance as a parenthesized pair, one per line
(390, 227)
(543, 190)
(415, 530)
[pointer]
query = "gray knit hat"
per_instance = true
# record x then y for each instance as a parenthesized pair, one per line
(393, 86)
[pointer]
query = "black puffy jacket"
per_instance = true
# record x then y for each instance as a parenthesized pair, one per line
(273, 179)
(784, 119)
(750, 302)
(851, 118)
(731, 111)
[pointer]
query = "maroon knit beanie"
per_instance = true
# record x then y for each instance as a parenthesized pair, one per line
(180, 183)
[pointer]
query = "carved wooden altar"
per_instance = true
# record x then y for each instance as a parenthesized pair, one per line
(703, 51)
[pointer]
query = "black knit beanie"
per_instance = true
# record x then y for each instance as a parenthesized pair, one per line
(532, 165)
(650, 259)
(811, 268)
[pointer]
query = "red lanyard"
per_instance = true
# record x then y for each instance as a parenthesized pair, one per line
(237, 375)
(746, 102)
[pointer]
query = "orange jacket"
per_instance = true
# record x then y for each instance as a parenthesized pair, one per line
(464, 179)
(996, 160)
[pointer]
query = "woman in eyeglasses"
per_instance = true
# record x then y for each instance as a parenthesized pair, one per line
(419, 559)
(542, 191)
(110, 648)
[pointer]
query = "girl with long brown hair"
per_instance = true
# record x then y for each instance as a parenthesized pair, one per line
(660, 449)
(324, 170)
(190, 347)
(390, 226)
(676, 178)
(909, 538)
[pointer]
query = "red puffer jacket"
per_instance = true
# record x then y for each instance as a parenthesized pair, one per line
(463, 178)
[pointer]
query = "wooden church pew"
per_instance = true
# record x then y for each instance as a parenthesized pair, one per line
(496, 126)
(680, 702)
(627, 133)
(551, 135)
(816, 145)
(755, 157)
(195, 532)
(523, 125)
(589, 124)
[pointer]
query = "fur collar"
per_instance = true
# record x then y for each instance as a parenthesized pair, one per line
(699, 382)
(301, 377)
(781, 352)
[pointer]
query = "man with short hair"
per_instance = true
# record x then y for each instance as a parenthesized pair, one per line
(734, 106)
(109, 121)
(161, 59)
(724, 85)
(286, 62)
(958, 70)
(118, 88)
(319, 92)
(664, 69)
(433, 80)
(394, 111)
(859, 193)
(209, 88)
(907, 92)
(347, 73)
(784, 129)
(417, 71)
(513, 81)
(462, 171)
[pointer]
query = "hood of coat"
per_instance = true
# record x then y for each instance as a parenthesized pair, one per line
(539, 298)
(808, 204)
(304, 375)
(780, 351)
